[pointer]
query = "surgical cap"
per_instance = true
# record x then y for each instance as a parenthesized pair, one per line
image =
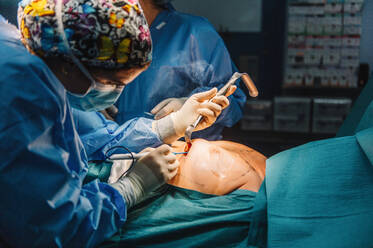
(101, 33)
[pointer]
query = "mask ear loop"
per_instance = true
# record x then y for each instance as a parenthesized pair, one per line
(66, 44)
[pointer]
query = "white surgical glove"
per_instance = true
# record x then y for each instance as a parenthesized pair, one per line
(167, 107)
(149, 173)
(118, 169)
(172, 127)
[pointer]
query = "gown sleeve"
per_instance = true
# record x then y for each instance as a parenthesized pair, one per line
(99, 134)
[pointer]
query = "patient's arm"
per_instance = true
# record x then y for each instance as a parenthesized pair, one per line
(219, 167)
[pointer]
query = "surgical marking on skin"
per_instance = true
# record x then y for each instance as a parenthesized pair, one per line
(215, 173)
(216, 151)
(235, 167)
(244, 174)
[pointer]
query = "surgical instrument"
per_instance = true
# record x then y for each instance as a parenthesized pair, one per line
(253, 91)
(129, 156)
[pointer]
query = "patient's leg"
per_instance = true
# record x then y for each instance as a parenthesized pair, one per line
(219, 167)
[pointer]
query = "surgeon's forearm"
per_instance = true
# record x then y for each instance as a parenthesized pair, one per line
(130, 190)
(135, 134)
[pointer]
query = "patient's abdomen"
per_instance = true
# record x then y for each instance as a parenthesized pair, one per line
(219, 167)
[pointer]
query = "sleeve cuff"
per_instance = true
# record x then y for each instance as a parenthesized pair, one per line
(165, 130)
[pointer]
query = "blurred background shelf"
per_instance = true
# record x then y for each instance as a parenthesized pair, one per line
(352, 93)
(271, 142)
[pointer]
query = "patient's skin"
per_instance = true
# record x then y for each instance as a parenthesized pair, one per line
(219, 167)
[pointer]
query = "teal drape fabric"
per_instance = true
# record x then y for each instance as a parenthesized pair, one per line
(184, 218)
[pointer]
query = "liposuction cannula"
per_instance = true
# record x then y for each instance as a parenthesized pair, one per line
(253, 91)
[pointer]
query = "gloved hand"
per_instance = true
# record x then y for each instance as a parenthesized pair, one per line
(110, 113)
(149, 173)
(118, 168)
(199, 104)
(168, 106)
(172, 127)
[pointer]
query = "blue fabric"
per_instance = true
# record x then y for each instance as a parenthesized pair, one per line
(99, 134)
(184, 218)
(188, 57)
(367, 119)
(257, 235)
(361, 115)
(43, 202)
(320, 194)
(97, 98)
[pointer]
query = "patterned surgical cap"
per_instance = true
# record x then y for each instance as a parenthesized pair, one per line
(101, 33)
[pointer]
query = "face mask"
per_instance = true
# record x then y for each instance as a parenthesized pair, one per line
(98, 97)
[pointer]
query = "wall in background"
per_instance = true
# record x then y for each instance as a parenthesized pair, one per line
(259, 53)
(228, 16)
(8, 9)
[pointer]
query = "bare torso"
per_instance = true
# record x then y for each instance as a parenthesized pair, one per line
(219, 167)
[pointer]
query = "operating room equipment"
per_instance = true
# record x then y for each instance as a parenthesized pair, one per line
(248, 83)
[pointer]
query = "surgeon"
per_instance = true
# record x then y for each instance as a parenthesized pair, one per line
(85, 51)
(188, 57)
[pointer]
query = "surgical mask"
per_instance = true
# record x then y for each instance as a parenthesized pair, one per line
(98, 97)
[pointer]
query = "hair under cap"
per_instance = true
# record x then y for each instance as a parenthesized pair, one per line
(100, 33)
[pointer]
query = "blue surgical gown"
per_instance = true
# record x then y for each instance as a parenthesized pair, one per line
(100, 135)
(43, 201)
(188, 57)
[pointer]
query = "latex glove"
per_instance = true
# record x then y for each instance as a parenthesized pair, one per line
(167, 107)
(199, 104)
(149, 173)
(110, 113)
(173, 127)
(118, 169)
